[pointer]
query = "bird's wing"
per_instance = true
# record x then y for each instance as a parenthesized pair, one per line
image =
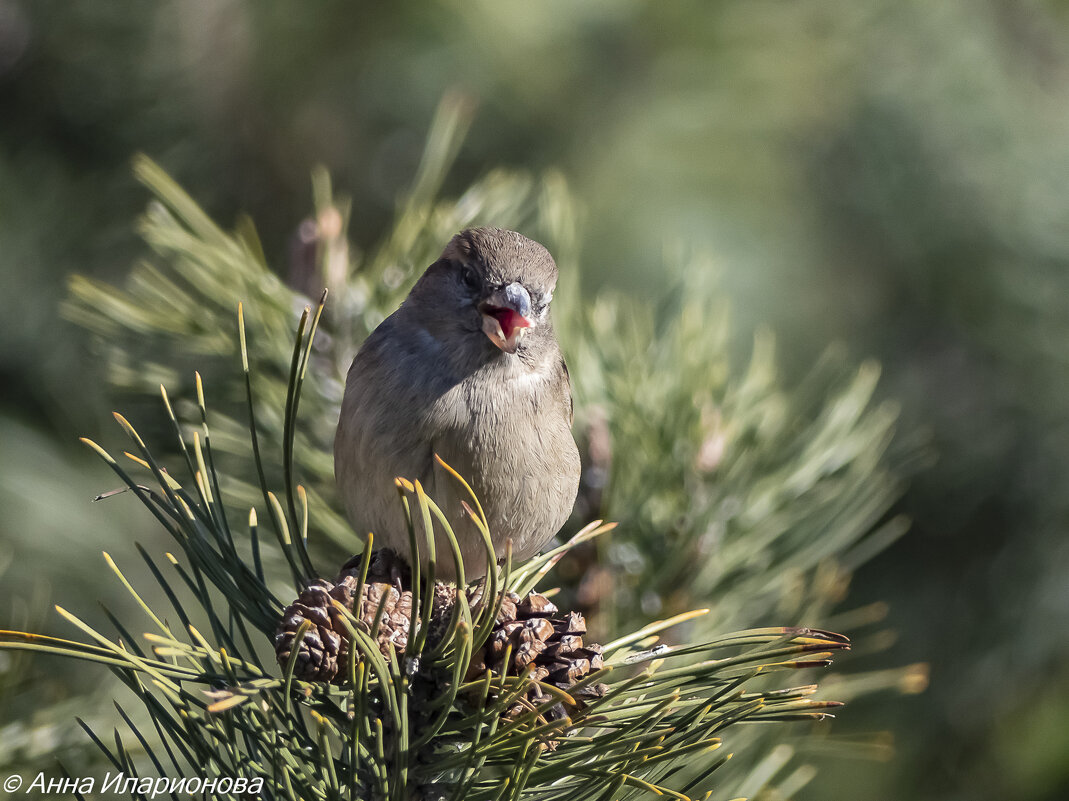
(564, 389)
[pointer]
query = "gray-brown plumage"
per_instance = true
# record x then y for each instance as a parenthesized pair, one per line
(469, 368)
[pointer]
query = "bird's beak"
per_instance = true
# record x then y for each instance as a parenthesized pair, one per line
(507, 316)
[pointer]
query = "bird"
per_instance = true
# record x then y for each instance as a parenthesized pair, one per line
(467, 369)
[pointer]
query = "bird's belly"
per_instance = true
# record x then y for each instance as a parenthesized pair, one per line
(498, 439)
(526, 498)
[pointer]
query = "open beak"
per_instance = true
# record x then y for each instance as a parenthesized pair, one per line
(507, 316)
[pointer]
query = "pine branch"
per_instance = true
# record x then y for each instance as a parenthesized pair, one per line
(734, 491)
(217, 709)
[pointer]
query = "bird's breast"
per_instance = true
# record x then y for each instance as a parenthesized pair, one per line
(516, 449)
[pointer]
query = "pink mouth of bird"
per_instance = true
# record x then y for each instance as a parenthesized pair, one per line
(505, 326)
(509, 319)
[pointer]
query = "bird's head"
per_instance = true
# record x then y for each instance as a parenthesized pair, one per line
(489, 285)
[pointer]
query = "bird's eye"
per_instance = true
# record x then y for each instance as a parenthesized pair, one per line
(470, 278)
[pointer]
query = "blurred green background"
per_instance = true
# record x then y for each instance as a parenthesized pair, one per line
(891, 175)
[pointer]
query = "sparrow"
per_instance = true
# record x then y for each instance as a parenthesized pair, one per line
(467, 368)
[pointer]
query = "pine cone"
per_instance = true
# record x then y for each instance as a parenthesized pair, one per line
(387, 575)
(324, 651)
(551, 643)
(317, 657)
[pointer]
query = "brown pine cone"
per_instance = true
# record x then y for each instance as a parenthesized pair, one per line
(387, 576)
(317, 658)
(324, 651)
(550, 643)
